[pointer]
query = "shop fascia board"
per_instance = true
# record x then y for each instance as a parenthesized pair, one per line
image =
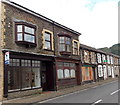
(4, 50)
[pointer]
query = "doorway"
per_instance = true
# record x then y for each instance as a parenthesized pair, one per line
(47, 75)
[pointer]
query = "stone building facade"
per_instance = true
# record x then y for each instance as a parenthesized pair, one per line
(37, 53)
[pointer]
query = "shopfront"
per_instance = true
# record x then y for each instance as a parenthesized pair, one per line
(28, 72)
(88, 73)
(68, 73)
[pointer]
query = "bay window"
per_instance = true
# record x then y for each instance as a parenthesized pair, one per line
(25, 33)
(64, 44)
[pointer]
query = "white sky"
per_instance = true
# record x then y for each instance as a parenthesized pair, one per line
(97, 20)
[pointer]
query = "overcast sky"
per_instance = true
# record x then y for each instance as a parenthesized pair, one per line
(97, 20)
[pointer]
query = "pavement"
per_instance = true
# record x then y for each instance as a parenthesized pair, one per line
(52, 94)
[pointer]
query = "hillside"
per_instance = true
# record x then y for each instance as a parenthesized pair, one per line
(115, 49)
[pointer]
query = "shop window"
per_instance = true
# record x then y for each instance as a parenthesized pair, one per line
(60, 64)
(13, 78)
(35, 63)
(66, 64)
(66, 70)
(67, 73)
(47, 40)
(26, 78)
(25, 33)
(36, 77)
(64, 44)
(23, 74)
(72, 73)
(14, 62)
(26, 63)
(60, 73)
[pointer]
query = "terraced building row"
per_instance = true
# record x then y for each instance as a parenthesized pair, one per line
(38, 54)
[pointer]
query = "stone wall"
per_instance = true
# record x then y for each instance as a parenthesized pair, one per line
(24, 93)
(2, 17)
(13, 14)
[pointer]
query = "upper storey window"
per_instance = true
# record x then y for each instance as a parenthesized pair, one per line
(25, 33)
(47, 40)
(75, 47)
(64, 44)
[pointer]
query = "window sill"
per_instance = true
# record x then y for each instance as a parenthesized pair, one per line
(66, 78)
(48, 50)
(65, 53)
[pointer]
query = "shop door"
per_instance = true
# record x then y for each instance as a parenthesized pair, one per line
(47, 76)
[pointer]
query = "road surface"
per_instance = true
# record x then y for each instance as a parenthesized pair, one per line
(106, 93)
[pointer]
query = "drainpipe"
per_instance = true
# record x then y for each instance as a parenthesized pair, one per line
(54, 64)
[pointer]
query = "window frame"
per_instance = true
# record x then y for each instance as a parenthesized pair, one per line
(64, 43)
(51, 40)
(75, 48)
(34, 64)
(63, 66)
(23, 41)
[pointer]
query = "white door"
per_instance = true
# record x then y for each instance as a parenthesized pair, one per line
(113, 74)
(105, 72)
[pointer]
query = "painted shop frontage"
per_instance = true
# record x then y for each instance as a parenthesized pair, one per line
(68, 72)
(27, 71)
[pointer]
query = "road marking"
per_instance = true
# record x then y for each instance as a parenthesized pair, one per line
(115, 92)
(97, 102)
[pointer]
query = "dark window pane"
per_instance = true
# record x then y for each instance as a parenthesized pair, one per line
(13, 78)
(75, 45)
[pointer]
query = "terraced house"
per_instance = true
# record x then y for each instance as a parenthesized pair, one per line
(88, 63)
(37, 53)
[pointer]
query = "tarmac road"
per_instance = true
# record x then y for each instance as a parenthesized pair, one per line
(106, 93)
